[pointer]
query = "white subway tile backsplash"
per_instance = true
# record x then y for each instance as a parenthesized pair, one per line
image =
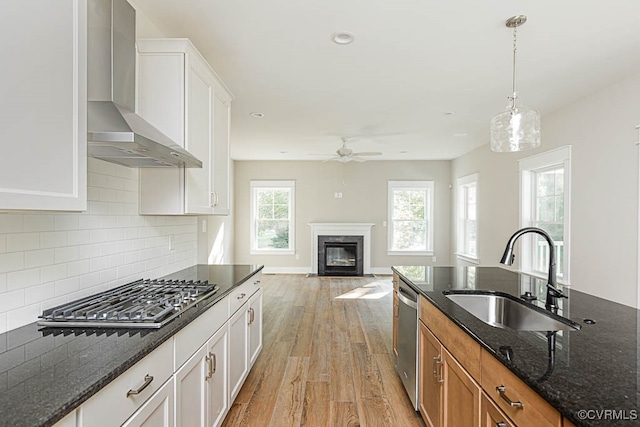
(22, 316)
(38, 222)
(79, 237)
(12, 300)
(46, 259)
(38, 258)
(12, 261)
(78, 268)
(53, 273)
(67, 222)
(66, 254)
(17, 242)
(53, 239)
(39, 293)
(11, 223)
(23, 279)
(66, 286)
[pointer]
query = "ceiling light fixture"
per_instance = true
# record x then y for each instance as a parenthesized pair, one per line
(342, 37)
(517, 128)
(256, 115)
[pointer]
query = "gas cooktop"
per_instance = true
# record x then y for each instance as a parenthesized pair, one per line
(140, 304)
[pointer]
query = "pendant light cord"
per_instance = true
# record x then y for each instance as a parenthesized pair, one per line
(515, 48)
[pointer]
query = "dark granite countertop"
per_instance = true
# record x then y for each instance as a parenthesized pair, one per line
(47, 372)
(596, 368)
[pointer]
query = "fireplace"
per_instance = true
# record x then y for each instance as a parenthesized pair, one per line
(340, 255)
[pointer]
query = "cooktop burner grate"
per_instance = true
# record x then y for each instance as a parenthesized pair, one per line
(140, 304)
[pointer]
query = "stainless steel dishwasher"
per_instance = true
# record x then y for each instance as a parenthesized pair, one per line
(407, 365)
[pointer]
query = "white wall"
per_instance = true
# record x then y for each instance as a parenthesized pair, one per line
(50, 258)
(364, 189)
(604, 220)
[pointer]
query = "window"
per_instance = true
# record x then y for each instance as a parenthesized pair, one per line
(545, 203)
(272, 217)
(467, 208)
(410, 230)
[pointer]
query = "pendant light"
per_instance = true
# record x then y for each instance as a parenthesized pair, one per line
(518, 127)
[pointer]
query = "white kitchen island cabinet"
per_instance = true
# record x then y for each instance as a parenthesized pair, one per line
(43, 87)
(181, 95)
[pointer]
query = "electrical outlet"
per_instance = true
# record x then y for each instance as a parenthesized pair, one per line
(384, 223)
(434, 259)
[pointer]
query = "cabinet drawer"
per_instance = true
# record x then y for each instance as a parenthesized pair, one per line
(111, 406)
(240, 295)
(460, 345)
(491, 415)
(535, 411)
(191, 338)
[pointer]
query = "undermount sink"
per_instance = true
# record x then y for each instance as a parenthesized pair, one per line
(506, 311)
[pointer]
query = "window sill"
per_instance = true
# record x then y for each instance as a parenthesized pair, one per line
(410, 253)
(272, 252)
(468, 258)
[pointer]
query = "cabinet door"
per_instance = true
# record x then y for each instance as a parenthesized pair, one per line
(217, 379)
(191, 388)
(430, 378)
(222, 117)
(238, 350)
(43, 83)
(461, 399)
(395, 324)
(255, 326)
(198, 141)
(157, 411)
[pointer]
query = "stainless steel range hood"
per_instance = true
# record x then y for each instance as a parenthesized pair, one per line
(115, 132)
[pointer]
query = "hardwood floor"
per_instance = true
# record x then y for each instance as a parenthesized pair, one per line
(326, 357)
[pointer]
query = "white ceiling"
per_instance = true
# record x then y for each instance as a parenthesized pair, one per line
(411, 62)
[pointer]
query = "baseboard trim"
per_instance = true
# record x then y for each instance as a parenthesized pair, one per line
(307, 270)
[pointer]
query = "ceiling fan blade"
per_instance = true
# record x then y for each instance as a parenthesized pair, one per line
(368, 153)
(358, 159)
(334, 158)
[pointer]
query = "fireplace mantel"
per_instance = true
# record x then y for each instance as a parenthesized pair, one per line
(341, 229)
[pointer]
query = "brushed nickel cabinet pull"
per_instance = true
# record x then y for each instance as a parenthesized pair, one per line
(251, 316)
(215, 364)
(242, 295)
(501, 391)
(437, 368)
(501, 424)
(147, 380)
(210, 362)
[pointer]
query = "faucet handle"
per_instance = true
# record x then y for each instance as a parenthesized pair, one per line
(555, 291)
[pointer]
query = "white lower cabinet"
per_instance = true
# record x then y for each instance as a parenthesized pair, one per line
(238, 349)
(157, 411)
(201, 384)
(191, 379)
(255, 326)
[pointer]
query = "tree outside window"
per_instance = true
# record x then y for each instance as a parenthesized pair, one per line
(410, 217)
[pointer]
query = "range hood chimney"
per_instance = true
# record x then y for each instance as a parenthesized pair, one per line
(115, 132)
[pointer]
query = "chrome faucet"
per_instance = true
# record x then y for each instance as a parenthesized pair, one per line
(553, 293)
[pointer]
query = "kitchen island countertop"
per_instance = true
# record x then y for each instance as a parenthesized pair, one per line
(45, 373)
(595, 369)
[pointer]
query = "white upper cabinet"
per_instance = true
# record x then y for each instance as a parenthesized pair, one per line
(43, 105)
(182, 96)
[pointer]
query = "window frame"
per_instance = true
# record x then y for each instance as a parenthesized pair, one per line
(429, 188)
(462, 184)
(253, 216)
(528, 167)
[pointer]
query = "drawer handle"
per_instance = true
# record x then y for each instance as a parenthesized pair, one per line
(501, 391)
(251, 316)
(147, 380)
(501, 424)
(242, 295)
(257, 282)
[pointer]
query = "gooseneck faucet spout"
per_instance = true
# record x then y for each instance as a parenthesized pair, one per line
(553, 293)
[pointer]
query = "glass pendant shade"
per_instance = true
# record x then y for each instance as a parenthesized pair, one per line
(515, 129)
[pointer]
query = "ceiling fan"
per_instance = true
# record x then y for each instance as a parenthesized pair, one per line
(345, 154)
